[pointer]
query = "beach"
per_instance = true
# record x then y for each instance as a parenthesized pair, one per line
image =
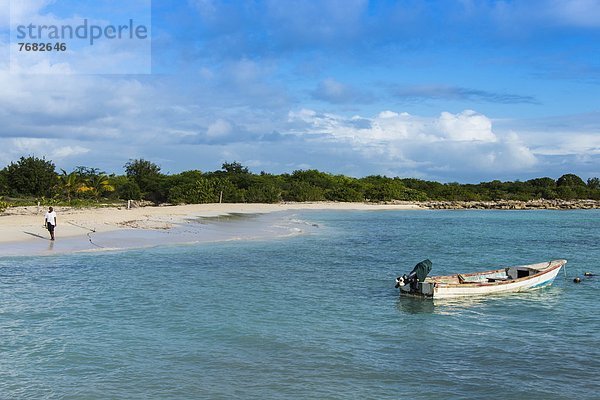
(26, 224)
(22, 229)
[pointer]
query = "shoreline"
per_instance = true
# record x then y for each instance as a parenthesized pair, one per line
(78, 229)
(74, 221)
(22, 231)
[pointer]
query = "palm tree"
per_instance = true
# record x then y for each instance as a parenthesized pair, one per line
(69, 184)
(97, 185)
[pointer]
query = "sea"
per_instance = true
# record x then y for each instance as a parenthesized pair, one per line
(307, 309)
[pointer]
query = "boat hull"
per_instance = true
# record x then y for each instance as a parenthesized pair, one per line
(499, 281)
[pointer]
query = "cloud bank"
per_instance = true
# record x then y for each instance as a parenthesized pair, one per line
(370, 88)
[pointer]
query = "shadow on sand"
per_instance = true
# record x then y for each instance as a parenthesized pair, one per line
(36, 235)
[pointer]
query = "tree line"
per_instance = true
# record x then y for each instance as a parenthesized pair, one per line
(36, 179)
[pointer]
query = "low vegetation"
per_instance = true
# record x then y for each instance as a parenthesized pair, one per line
(31, 180)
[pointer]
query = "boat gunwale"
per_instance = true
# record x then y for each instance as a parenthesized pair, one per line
(549, 268)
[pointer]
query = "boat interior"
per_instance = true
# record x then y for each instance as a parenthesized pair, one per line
(500, 275)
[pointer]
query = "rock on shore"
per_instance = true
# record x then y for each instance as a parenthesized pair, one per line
(513, 205)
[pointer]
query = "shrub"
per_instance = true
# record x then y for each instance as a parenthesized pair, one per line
(31, 176)
(129, 190)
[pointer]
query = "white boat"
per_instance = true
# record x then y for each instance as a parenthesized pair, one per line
(504, 280)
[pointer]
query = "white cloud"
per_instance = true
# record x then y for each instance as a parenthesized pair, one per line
(52, 149)
(466, 126)
(512, 154)
(389, 114)
(562, 136)
(219, 128)
(83, 107)
(457, 143)
(389, 125)
(571, 144)
(60, 153)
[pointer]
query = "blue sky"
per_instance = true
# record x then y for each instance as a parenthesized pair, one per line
(463, 91)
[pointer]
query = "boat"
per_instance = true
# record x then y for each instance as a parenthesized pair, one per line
(504, 280)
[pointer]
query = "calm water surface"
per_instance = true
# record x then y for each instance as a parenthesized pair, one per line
(314, 316)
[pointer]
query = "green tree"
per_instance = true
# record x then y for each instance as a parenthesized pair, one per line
(226, 191)
(147, 176)
(97, 185)
(201, 191)
(184, 178)
(570, 180)
(263, 190)
(570, 186)
(237, 174)
(496, 189)
(544, 188)
(314, 178)
(69, 184)
(593, 183)
(542, 182)
(128, 190)
(566, 192)
(31, 176)
(429, 189)
(4, 189)
(382, 188)
(87, 172)
(143, 172)
(304, 191)
(383, 191)
(234, 168)
(346, 189)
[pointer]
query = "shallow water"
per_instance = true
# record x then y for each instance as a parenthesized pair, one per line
(194, 230)
(309, 316)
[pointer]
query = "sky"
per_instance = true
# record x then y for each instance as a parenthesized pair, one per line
(452, 91)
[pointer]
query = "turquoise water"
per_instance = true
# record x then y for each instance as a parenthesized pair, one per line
(314, 316)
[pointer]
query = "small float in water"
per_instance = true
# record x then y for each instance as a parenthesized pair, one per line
(504, 280)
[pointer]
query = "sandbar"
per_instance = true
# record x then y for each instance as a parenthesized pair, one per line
(22, 230)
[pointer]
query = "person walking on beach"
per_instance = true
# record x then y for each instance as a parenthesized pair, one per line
(50, 221)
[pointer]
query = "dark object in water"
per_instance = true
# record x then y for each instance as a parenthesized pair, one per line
(577, 280)
(588, 274)
(418, 274)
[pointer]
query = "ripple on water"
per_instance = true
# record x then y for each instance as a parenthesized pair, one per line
(310, 316)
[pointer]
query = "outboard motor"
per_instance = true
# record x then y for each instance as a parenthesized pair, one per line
(418, 274)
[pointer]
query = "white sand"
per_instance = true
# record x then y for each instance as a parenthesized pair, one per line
(23, 224)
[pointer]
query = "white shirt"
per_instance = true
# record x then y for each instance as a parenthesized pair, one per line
(51, 217)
